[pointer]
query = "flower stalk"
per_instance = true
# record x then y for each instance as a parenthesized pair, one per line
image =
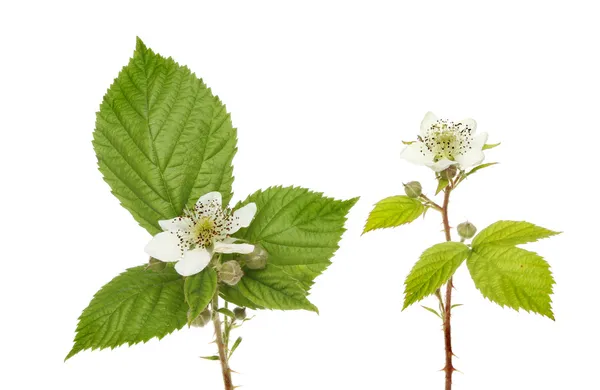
(222, 344)
(447, 306)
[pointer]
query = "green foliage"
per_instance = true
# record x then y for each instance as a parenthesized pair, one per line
(272, 288)
(199, 290)
(299, 229)
(479, 167)
(489, 146)
(393, 211)
(162, 139)
(511, 233)
(429, 309)
(513, 277)
(135, 306)
(435, 266)
(442, 183)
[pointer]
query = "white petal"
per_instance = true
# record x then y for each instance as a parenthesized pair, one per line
(471, 158)
(427, 122)
(211, 197)
(242, 217)
(193, 262)
(164, 246)
(175, 224)
(479, 140)
(228, 247)
(470, 123)
(441, 165)
(417, 153)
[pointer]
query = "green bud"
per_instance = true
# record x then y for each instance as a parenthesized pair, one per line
(449, 173)
(204, 318)
(466, 230)
(240, 313)
(413, 189)
(230, 272)
(257, 259)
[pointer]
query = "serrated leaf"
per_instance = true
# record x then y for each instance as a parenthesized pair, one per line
(199, 290)
(442, 183)
(513, 277)
(490, 146)
(233, 295)
(134, 307)
(300, 229)
(162, 139)
(432, 311)
(435, 266)
(511, 233)
(272, 288)
(479, 167)
(393, 211)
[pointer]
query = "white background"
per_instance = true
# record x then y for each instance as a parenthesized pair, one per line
(322, 95)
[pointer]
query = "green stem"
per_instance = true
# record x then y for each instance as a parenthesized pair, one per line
(221, 344)
(448, 368)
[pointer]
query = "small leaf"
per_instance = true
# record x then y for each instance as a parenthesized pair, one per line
(408, 142)
(199, 290)
(272, 288)
(456, 305)
(442, 183)
(435, 266)
(432, 311)
(472, 171)
(490, 146)
(226, 312)
(511, 233)
(513, 277)
(235, 345)
(134, 307)
(214, 357)
(393, 211)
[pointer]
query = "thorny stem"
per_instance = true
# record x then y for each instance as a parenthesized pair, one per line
(222, 346)
(447, 306)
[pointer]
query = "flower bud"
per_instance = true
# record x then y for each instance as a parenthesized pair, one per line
(203, 319)
(257, 259)
(240, 313)
(466, 230)
(449, 173)
(230, 272)
(413, 189)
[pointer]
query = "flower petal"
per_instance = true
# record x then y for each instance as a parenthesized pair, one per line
(427, 122)
(417, 153)
(227, 246)
(471, 158)
(479, 140)
(164, 246)
(470, 123)
(242, 217)
(193, 262)
(211, 197)
(175, 224)
(441, 164)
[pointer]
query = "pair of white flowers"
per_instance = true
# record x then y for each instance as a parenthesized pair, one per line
(442, 143)
(192, 239)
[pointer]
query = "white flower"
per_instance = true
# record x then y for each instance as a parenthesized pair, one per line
(443, 143)
(192, 238)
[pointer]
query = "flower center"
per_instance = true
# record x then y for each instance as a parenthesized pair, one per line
(446, 140)
(204, 231)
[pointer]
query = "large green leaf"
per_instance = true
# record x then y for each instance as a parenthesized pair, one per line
(272, 288)
(435, 266)
(393, 211)
(511, 233)
(300, 229)
(162, 139)
(512, 277)
(136, 306)
(199, 290)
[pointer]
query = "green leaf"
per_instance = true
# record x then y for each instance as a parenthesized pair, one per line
(235, 345)
(435, 266)
(442, 183)
(214, 357)
(490, 146)
(226, 312)
(199, 290)
(232, 294)
(162, 139)
(135, 306)
(472, 171)
(393, 211)
(513, 277)
(408, 142)
(432, 311)
(300, 229)
(511, 233)
(272, 288)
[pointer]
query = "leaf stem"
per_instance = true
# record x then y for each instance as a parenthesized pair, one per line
(221, 344)
(448, 368)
